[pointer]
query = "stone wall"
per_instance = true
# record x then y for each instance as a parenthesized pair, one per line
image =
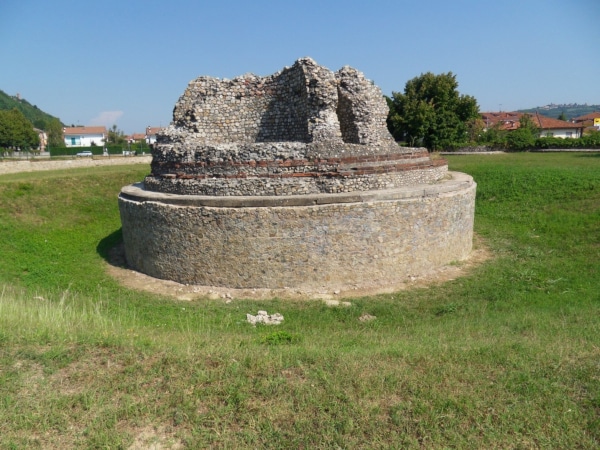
(303, 129)
(292, 180)
(245, 109)
(302, 103)
(302, 241)
(46, 164)
(274, 176)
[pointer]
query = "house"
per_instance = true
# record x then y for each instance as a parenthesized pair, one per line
(151, 134)
(135, 137)
(84, 136)
(548, 126)
(505, 120)
(43, 139)
(589, 120)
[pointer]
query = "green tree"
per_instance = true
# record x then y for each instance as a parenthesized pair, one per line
(115, 136)
(562, 116)
(494, 136)
(54, 129)
(431, 112)
(475, 129)
(524, 137)
(16, 132)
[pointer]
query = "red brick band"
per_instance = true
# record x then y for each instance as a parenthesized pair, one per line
(331, 167)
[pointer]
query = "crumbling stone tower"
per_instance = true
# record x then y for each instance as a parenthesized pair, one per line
(292, 180)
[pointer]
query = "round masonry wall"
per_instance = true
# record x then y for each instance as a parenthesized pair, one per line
(305, 241)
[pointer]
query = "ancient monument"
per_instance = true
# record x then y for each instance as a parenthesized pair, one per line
(292, 180)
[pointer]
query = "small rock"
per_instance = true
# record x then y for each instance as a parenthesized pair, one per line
(366, 317)
(264, 318)
(332, 303)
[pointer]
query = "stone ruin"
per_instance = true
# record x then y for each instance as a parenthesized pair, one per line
(292, 180)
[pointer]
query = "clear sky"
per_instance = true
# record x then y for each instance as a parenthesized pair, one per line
(126, 62)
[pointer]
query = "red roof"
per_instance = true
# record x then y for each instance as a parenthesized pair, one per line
(151, 131)
(548, 123)
(507, 120)
(511, 121)
(81, 131)
(590, 116)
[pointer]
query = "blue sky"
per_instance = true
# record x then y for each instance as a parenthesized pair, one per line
(126, 62)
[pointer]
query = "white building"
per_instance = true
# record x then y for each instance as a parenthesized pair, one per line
(151, 134)
(84, 136)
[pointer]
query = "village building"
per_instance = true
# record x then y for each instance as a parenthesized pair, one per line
(151, 134)
(43, 139)
(588, 120)
(548, 126)
(84, 136)
(136, 137)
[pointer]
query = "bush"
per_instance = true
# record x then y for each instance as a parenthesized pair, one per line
(524, 139)
(520, 139)
(591, 140)
(99, 151)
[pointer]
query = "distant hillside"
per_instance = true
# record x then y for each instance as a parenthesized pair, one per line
(571, 110)
(36, 116)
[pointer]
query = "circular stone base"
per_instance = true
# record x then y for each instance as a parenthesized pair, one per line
(305, 241)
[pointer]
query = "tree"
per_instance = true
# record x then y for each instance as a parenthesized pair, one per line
(523, 137)
(475, 129)
(115, 136)
(562, 116)
(431, 112)
(16, 132)
(494, 136)
(54, 129)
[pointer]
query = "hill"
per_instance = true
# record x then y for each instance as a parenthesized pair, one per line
(36, 116)
(571, 110)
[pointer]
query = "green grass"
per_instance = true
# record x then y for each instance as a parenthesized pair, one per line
(506, 357)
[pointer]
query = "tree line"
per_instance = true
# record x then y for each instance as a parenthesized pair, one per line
(17, 132)
(432, 113)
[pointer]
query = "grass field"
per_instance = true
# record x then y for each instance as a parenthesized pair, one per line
(505, 357)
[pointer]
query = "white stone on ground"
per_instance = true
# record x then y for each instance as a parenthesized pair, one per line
(264, 318)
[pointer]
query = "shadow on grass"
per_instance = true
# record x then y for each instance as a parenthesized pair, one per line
(111, 249)
(590, 154)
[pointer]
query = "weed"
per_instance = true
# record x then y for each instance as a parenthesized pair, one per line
(279, 338)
